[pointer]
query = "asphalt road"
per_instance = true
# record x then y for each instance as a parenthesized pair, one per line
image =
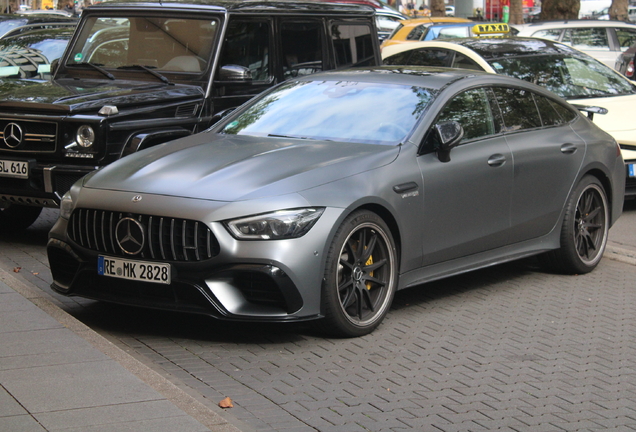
(509, 347)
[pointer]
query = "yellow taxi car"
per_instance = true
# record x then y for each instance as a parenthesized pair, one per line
(575, 76)
(412, 30)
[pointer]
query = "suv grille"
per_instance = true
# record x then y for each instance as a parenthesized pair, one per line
(27, 136)
(164, 238)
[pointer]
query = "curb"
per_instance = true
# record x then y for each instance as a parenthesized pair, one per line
(623, 255)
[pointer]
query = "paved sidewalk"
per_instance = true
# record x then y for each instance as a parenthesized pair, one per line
(56, 374)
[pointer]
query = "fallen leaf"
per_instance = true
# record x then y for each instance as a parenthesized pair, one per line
(36, 273)
(226, 403)
(17, 269)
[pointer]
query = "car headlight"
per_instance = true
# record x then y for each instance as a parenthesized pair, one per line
(283, 224)
(66, 206)
(85, 136)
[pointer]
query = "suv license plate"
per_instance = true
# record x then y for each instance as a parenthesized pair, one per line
(632, 170)
(133, 270)
(18, 169)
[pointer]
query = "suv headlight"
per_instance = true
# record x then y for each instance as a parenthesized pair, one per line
(283, 224)
(85, 136)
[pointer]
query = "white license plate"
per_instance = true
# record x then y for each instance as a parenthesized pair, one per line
(134, 270)
(632, 170)
(9, 168)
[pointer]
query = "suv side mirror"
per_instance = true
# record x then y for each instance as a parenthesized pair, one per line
(54, 65)
(449, 134)
(235, 73)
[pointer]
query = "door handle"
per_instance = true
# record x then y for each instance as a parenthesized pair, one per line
(568, 148)
(496, 160)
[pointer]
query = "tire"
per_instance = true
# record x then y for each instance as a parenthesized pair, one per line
(584, 231)
(359, 283)
(16, 217)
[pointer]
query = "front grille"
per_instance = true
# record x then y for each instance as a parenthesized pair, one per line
(166, 239)
(27, 135)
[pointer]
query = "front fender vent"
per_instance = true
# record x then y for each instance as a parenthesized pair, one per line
(189, 110)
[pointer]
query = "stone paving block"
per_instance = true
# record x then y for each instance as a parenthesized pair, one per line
(94, 384)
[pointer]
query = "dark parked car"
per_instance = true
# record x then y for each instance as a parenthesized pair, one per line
(139, 74)
(30, 54)
(310, 203)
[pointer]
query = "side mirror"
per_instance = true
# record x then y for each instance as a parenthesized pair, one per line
(221, 115)
(235, 73)
(54, 65)
(449, 135)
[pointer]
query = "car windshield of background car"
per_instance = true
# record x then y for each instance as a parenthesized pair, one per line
(164, 43)
(335, 111)
(568, 77)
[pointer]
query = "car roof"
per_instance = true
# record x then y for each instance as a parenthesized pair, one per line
(436, 77)
(535, 26)
(493, 48)
(234, 6)
(36, 18)
(433, 20)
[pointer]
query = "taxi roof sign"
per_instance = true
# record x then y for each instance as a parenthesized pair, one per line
(491, 28)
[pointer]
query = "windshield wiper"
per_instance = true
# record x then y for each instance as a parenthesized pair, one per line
(95, 66)
(149, 70)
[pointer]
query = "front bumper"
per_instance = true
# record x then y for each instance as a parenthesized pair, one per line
(45, 186)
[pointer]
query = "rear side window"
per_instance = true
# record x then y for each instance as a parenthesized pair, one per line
(522, 109)
(353, 45)
(594, 38)
(416, 33)
(518, 109)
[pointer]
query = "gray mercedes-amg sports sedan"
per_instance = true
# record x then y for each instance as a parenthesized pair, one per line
(320, 198)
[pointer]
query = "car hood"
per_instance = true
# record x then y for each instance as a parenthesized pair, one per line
(233, 168)
(68, 96)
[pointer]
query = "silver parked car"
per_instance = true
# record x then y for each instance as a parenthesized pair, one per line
(311, 203)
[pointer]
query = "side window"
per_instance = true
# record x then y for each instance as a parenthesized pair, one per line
(553, 34)
(594, 38)
(416, 33)
(353, 45)
(471, 109)
(398, 59)
(426, 57)
(302, 52)
(547, 111)
(453, 32)
(518, 109)
(461, 61)
(626, 38)
(247, 44)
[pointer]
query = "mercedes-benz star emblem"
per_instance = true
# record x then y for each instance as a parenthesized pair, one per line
(130, 236)
(12, 135)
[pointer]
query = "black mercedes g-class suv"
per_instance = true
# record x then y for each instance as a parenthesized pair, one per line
(137, 74)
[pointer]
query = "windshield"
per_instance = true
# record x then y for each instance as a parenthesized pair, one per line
(167, 44)
(567, 76)
(335, 111)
